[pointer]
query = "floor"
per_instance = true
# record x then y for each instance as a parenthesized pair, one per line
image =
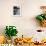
(30, 45)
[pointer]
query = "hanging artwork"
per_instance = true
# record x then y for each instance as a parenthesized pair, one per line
(16, 10)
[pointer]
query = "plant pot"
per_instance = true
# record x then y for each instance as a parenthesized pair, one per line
(43, 23)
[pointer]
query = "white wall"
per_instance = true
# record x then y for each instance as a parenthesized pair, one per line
(26, 24)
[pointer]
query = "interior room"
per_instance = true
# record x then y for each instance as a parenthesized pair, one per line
(23, 22)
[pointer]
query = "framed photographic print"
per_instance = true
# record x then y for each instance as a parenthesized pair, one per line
(16, 10)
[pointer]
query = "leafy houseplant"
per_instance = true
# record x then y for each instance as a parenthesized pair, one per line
(42, 19)
(11, 31)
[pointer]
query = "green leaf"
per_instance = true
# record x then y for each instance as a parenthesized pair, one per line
(10, 31)
(40, 18)
(45, 16)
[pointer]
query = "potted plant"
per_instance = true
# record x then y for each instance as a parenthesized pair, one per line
(42, 17)
(10, 31)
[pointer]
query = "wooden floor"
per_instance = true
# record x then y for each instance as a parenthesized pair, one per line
(30, 45)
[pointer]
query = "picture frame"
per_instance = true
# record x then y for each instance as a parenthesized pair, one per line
(16, 11)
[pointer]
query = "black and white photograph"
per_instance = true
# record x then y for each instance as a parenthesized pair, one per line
(16, 10)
